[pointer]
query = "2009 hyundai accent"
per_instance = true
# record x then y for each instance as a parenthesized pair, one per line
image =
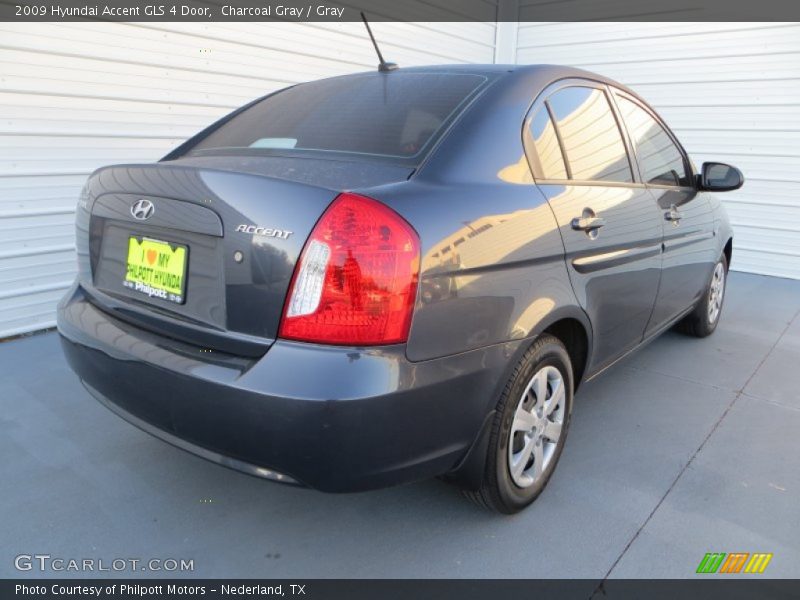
(377, 278)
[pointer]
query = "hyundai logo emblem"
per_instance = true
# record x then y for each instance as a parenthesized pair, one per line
(142, 209)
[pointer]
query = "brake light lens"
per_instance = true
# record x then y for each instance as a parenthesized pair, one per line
(356, 280)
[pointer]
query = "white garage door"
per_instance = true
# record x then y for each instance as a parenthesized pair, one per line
(79, 96)
(731, 92)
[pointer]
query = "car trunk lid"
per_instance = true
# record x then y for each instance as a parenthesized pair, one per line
(241, 224)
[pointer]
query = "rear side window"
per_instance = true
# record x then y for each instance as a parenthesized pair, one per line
(591, 137)
(548, 150)
(397, 115)
(660, 159)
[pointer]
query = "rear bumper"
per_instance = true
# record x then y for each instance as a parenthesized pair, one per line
(335, 419)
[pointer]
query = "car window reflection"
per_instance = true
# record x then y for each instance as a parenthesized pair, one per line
(590, 135)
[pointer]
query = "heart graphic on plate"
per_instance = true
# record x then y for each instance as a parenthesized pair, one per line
(151, 256)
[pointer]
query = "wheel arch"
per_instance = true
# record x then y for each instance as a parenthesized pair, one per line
(573, 335)
(570, 325)
(728, 251)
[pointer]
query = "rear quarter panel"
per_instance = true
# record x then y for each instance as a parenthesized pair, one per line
(492, 265)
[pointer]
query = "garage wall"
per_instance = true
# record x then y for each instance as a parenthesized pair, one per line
(74, 97)
(79, 96)
(731, 92)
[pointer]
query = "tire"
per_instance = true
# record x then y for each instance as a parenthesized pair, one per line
(545, 366)
(703, 320)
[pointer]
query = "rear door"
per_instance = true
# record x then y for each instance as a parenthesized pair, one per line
(687, 217)
(609, 221)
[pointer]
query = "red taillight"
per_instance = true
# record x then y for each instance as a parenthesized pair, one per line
(356, 280)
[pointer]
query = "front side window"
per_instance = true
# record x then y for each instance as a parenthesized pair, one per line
(591, 137)
(660, 159)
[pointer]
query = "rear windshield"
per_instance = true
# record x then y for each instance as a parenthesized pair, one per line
(395, 115)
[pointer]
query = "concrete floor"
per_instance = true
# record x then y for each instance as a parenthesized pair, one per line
(690, 446)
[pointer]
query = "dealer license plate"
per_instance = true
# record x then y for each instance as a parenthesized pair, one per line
(157, 269)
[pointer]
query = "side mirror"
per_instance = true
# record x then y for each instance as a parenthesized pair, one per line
(719, 177)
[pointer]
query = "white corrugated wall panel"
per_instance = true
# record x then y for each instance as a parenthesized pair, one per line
(731, 92)
(77, 96)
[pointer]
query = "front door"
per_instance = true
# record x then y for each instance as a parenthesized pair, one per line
(688, 220)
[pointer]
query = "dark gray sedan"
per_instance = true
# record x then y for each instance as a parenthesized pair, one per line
(378, 278)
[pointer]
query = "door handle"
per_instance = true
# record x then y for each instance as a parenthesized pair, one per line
(586, 223)
(673, 215)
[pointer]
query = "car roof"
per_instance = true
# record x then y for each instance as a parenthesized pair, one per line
(547, 71)
(542, 73)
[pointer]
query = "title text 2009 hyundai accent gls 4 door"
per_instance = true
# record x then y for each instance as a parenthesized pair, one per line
(378, 278)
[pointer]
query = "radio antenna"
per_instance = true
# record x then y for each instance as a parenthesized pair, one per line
(383, 66)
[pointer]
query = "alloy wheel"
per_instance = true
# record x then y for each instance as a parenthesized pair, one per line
(536, 427)
(716, 292)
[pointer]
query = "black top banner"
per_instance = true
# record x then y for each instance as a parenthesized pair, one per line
(401, 10)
